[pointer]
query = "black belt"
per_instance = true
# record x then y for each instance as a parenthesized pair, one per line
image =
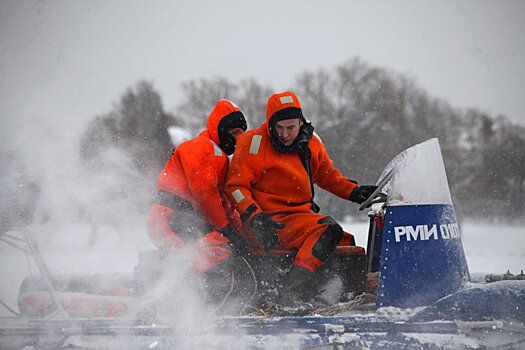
(173, 201)
(185, 221)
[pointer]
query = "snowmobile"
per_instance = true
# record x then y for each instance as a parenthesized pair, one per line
(425, 297)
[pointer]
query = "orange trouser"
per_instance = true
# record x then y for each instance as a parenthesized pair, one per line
(212, 248)
(315, 237)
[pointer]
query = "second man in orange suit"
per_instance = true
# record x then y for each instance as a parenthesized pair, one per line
(191, 210)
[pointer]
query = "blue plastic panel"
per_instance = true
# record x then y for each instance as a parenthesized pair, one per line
(422, 258)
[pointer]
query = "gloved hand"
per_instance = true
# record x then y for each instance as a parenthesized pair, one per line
(266, 230)
(361, 193)
(209, 257)
(236, 241)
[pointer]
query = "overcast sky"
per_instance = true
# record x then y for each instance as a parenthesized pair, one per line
(71, 60)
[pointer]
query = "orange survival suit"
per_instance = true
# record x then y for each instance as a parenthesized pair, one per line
(268, 177)
(190, 209)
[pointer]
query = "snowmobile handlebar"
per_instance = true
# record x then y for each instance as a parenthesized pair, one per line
(373, 199)
(377, 196)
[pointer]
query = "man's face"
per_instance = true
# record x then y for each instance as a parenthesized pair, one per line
(287, 130)
(235, 132)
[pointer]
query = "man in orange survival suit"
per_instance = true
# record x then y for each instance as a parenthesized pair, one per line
(190, 208)
(270, 183)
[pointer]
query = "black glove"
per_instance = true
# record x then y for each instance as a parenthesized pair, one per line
(266, 230)
(236, 241)
(361, 193)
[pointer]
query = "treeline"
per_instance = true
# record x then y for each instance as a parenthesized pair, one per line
(368, 115)
(365, 116)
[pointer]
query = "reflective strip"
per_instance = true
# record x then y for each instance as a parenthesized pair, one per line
(237, 194)
(318, 137)
(216, 149)
(286, 99)
(256, 143)
(230, 102)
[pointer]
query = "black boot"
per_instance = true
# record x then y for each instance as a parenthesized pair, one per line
(351, 269)
(300, 287)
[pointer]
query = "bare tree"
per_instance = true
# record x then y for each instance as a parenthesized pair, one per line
(366, 115)
(202, 95)
(123, 152)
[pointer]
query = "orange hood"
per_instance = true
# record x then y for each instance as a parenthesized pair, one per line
(221, 110)
(281, 106)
